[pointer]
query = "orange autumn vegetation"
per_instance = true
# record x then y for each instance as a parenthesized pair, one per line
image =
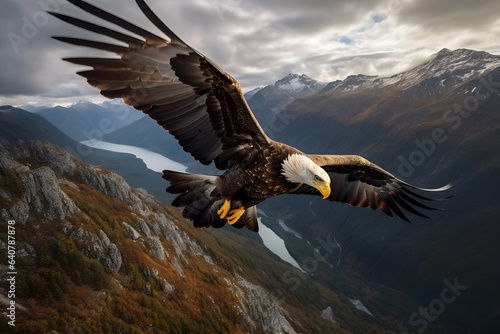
(64, 289)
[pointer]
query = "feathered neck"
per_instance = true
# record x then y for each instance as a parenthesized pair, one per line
(296, 168)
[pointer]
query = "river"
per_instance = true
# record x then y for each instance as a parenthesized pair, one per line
(154, 161)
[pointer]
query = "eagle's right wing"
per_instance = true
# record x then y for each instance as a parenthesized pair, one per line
(181, 89)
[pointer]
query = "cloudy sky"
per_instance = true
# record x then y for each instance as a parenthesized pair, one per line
(256, 41)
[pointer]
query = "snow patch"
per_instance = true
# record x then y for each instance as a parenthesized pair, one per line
(359, 305)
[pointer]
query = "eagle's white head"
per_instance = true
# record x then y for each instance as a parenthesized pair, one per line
(298, 168)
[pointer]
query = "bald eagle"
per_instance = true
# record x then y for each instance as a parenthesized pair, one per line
(204, 109)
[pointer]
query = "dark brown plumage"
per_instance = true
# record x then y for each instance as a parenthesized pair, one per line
(204, 109)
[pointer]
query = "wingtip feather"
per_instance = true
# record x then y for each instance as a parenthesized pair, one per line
(443, 188)
(146, 10)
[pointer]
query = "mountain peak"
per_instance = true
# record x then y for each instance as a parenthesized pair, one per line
(298, 82)
(444, 51)
(84, 106)
(293, 76)
(272, 99)
(350, 83)
(82, 103)
(464, 56)
(457, 65)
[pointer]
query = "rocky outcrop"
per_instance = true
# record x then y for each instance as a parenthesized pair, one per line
(40, 192)
(164, 226)
(113, 185)
(133, 234)
(53, 156)
(143, 227)
(98, 246)
(43, 194)
(257, 306)
(327, 314)
(149, 273)
(18, 212)
(156, 248)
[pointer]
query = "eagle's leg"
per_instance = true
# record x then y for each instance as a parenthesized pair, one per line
(224, 209)
(235, 214)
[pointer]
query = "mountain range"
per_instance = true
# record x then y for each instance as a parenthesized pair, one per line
(434, 124)
(430, 125)
(87, 120)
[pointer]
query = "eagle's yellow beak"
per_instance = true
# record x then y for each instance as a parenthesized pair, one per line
(324, 189)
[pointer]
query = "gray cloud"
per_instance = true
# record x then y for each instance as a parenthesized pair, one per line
(441, 16)
(258, 42)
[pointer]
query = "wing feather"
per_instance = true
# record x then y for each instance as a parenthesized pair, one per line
(102, 63)
(181, 89)
(106, 16)
(358, 182)
(98, 29)
(92, 44)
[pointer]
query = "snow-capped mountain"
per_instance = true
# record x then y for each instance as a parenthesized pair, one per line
(453, 66)
(269, 102)
(350, 83)
(444, 70)
(296, 83)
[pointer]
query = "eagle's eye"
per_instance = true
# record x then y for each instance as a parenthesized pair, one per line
(317, 178)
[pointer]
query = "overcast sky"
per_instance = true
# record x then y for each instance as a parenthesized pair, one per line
(256, 41)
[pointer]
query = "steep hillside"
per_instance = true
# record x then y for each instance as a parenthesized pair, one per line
(18, 124)
(96, 256)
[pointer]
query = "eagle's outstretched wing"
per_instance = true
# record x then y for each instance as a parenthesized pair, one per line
(358, 182)
(181, 89)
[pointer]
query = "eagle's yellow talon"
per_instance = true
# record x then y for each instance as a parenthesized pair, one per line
(234, 215)
(224, 209)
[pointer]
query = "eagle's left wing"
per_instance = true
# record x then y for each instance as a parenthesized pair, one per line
(358, 182)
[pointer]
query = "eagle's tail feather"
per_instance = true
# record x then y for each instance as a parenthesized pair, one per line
(200, 197)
